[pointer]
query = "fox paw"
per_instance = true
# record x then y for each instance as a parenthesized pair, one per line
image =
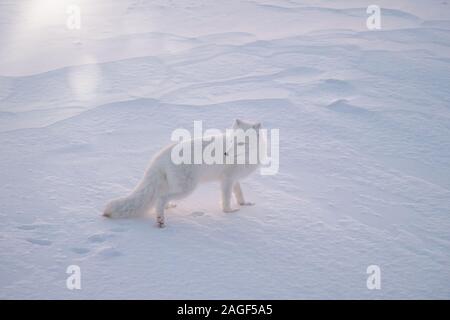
(229, 210)
(160, 223)
(170, 205)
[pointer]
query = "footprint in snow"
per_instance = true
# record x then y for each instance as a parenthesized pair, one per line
(27, 227)
(108, 252)
(40, 242)
(80, 250)
(100, 237)
(118, 229)
(33, 226)
(198, 213)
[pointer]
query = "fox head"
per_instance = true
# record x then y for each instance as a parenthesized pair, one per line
(244, 142)
(240, 124)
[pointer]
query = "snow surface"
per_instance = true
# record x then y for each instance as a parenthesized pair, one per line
(364, 125)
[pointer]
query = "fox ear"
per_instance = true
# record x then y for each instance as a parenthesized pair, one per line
(237, 123)
(257, 126)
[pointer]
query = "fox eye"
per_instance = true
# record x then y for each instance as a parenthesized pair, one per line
(241, 143)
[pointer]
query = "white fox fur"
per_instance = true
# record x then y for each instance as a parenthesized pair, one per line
(165, 181)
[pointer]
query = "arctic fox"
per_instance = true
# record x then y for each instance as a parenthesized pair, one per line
(165, 181)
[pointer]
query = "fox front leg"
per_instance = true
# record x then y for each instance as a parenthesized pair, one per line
(226, 186)
(240, 196)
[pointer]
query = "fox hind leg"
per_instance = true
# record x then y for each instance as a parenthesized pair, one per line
(160, 206)
(164, 202)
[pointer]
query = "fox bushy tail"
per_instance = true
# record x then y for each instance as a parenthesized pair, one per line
(141, 199)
